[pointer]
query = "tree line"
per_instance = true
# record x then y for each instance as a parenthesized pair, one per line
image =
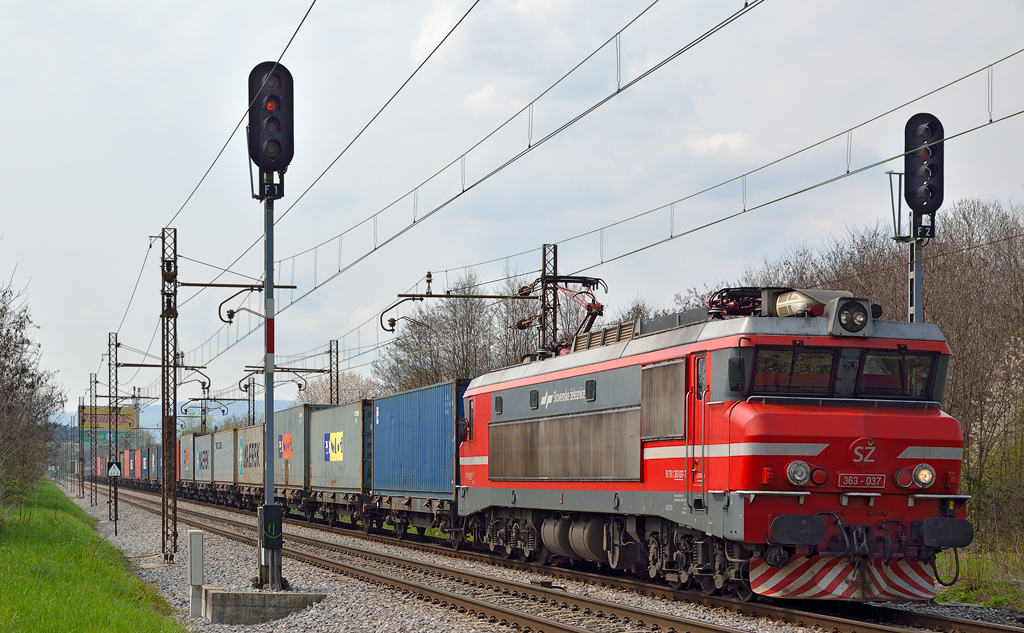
(29, 398)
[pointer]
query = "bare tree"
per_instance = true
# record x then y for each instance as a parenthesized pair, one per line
(352, 386)
(439, 340)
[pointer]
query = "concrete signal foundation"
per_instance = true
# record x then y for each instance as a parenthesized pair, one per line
(253, 607)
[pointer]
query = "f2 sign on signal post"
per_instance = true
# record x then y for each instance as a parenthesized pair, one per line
(922, 189)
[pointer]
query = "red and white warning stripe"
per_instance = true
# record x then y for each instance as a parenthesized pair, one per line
(829, 578)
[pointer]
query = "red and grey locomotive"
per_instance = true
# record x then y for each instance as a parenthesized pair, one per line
(786, 443)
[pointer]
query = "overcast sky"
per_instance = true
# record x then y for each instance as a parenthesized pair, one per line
(115, 110)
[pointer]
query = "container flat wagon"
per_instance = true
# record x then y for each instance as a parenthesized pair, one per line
(340, 462)
(291, 467)
(415, 449)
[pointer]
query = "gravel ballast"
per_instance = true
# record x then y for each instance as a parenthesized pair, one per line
(350, 605)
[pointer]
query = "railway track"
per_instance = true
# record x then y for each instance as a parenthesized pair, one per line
(835, 618)
(526, 607)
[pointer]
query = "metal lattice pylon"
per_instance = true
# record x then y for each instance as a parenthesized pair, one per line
(112, 416)
(169, 389)
(548, 334)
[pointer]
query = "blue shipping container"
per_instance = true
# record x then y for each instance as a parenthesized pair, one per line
(145, 464)
(414, 446)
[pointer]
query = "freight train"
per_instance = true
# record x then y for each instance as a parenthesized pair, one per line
(783, 443)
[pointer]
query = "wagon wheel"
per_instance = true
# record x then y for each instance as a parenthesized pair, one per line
(458, 540)
(332, 518)
(367, 524)
(401, 530)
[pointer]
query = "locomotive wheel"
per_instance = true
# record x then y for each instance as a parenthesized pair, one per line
(707, 586)
(744, 592)
(524, 555)
(679, 583)
(543, 556)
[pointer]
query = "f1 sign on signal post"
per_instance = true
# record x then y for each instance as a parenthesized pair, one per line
(271, 129)
(271, 135)
(923, 168)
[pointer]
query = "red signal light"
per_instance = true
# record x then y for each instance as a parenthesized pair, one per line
(271, 104)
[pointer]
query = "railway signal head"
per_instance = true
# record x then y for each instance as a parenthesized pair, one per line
(923, 168)
(271, 129)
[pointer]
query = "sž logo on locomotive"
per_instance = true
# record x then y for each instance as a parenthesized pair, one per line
(863, 452)
(334, 446)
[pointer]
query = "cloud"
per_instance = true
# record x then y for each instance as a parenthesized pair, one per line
(435, 26)
(485, 100)
(732, 142)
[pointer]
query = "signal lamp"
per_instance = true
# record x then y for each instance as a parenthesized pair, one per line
(904, 479)
(923, 165)
(798, 472)
(271, 118)
(924, 475)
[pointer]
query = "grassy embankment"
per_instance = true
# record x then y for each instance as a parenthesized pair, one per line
(992, 579)
(59, 575)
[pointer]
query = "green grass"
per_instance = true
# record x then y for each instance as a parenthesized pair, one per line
(59, 575)
(991, 579)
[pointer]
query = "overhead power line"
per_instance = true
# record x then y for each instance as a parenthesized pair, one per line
(342, 269)
(346, 148)
(715, 222)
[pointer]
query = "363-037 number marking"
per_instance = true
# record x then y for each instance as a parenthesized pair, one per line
(861, 480)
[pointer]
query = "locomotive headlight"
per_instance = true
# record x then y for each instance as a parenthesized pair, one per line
(799, 473)
(924, 475)
(852, 316)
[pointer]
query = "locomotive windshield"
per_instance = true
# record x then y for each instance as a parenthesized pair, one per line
(895, 374)
(813, 371)
(794, 370)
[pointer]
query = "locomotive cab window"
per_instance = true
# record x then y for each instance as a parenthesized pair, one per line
(498, 405)
(899, 374)
(794, 370)
(472, 419)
